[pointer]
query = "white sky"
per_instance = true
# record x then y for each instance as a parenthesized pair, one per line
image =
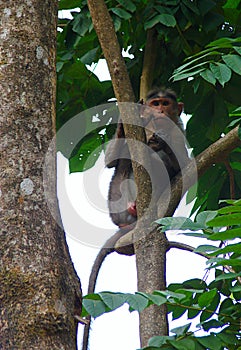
(118, 329)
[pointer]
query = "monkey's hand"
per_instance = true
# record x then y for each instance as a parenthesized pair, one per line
(131, 208)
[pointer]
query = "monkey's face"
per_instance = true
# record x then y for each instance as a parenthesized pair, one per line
(162, 107)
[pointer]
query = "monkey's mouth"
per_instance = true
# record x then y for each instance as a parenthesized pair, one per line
(155, 139)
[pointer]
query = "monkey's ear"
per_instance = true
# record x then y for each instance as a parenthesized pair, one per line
(180, 107)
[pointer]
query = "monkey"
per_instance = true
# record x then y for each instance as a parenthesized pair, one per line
(160, 111)
(157, 114)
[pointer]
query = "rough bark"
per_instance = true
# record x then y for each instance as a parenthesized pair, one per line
(39, 290)
(151, 272)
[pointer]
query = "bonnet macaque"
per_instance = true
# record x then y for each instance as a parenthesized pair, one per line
(160, 115)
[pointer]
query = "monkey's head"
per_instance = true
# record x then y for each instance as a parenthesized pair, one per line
(162, 103)
(159, 113)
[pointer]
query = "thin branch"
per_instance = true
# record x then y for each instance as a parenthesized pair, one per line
(186, 247)
(231, 178)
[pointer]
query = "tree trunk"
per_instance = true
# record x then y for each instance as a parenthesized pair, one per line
(151, 275)
(39, 290)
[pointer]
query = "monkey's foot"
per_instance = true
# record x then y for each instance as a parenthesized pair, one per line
(124, 245)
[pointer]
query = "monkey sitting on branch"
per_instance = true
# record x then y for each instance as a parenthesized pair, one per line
(160, 116)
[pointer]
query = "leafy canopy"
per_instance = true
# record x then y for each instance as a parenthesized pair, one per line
(198, 45)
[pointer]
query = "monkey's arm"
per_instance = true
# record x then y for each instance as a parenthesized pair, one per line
(113, 152)
(117, 148)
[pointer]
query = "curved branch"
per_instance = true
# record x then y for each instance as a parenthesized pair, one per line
(186, 247)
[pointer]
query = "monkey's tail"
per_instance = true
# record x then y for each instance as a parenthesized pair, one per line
(107, 249)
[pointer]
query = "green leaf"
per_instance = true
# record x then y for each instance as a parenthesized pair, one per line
(212, 324)
(230, 209)
(90, 56)
(159, 340)
(233, 62)
(165, 19)
(235, 289)
(221, 72)
(205, 216)
(156, 299)
(191, 5)
(95, 307)
(208, 76)
(113, 300)
(205, 248)
(179, 223)
(206, 298)
(178, 311)
(227, 338)
(231, 248)
(210, 342)
(214, 262)
(183, 344)
(205, 6)
(192, 313)
(226, 235)
(181, 330)
(128, 5)
(121, 13)
(237, 49)
(168, 293)
(225, 220)
(236, 166)
(190, 74)
(136, 302)
(68, 4)
(225, 276)
(224, 42)
(87, 154)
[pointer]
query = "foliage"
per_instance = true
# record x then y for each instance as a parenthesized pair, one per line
(205, 33)
(215, 307)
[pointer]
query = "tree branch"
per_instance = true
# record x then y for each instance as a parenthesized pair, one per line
(186, 247)
(105, 31)
(215, 153)
(149, 62)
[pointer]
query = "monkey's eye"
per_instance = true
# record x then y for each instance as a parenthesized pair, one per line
(155, 103)
(165, 103)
